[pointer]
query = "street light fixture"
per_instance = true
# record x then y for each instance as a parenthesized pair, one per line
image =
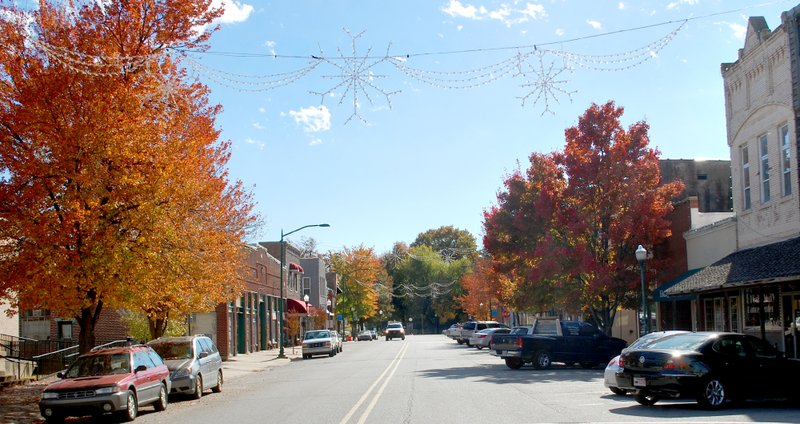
(641, 255)
(283, 301)
(305, 299)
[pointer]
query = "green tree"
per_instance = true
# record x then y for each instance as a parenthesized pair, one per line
(449, 242)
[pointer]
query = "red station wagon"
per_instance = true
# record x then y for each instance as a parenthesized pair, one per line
(111, 380)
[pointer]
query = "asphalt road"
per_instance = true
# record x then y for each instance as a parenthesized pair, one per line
(431, 379)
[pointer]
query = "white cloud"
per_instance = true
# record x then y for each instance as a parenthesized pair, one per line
(235, 11)
(258, 126)
(621, 6)
(456, 9)
(679, 3)
(260, 144)
(509, 15)
(739, 31)
(313, 118)
(262, 110)
(314, 141)
(560, 32)
(271, 46)
(594, 24)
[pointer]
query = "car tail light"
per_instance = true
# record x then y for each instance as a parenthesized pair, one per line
(620, 362)
(481, 336)
(519, 342)
(613, 361)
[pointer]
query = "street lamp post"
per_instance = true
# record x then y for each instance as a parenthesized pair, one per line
(283, 301)
(305, 299)
(641, 255)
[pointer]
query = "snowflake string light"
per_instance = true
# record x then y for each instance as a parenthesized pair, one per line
(357, 76)
(546, 86)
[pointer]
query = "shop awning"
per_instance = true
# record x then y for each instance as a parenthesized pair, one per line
(296, 306)
(660, 296)
(296, 267)
(757, 265)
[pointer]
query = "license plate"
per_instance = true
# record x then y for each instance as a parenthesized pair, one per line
(639, 382)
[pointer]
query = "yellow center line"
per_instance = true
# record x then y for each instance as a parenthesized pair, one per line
(366, 394)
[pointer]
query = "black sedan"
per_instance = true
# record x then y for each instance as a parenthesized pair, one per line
(711, 367)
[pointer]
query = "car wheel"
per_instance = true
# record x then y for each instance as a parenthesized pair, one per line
(478, 347)
(712, 394)
(131, 408)
(645, 399)
(198, 387)
(514, 363)
(332, 353)
(388, 338)
(460, 341)
(542, 360)
(218, 387)
(587, 365)
(162, 402)
(618, 391)
(403, 338)
(305, 356)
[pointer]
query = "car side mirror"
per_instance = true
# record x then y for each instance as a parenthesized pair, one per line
(202, 355)
(140, 368)
(60, 374)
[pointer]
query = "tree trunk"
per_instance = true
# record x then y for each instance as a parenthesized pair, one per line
(158, 327)
(87, 321)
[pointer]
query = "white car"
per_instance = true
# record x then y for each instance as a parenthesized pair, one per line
(320, 342)
(609, 375)
(483, 338)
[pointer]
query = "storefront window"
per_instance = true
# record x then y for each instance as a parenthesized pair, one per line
(761, 308)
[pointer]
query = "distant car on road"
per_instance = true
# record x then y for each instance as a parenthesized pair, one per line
(194, 363)
(319, 342)
(395, 330)
(364, 335)
(116, 380)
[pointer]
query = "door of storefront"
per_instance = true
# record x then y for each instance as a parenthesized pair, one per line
(791, 324)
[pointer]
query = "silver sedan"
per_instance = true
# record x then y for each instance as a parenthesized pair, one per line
(483, 338)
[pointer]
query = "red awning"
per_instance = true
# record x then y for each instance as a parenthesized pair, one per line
(296, 267)
(296, 306)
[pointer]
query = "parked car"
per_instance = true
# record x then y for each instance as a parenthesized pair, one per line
(194, 363)
(449, 331)
(609, 375)
(113, 380)
(374, 334)
(319, 342)
(483, 338)
(710, 367)
(337, 341)
(395, 330)
(364, 335)
(471, 327)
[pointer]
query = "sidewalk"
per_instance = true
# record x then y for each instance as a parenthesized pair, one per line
(248, 363)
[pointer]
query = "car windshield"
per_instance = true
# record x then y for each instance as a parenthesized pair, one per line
(396, 325)
(317, 335)
(173, 350)
(649, 338)
(91, 365)
(689, 341)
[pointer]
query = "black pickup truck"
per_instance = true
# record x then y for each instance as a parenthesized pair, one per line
(550, 340)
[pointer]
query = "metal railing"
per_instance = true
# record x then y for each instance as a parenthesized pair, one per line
(49, 356)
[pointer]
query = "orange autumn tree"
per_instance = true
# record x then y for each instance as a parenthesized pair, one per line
(113, 189)
(360, 272)
(578, 224)
(485, 290)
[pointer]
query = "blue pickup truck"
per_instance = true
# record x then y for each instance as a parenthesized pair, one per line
(550, 340)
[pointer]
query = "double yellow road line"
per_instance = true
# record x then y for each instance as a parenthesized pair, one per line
(386, 375)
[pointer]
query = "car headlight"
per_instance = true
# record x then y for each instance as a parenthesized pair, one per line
(106, 390)
(182, 372)
(49, 395)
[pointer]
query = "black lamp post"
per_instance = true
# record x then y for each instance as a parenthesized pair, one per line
(283, 301)
(641, 255)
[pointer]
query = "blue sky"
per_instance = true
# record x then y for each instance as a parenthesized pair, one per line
(389, 118)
